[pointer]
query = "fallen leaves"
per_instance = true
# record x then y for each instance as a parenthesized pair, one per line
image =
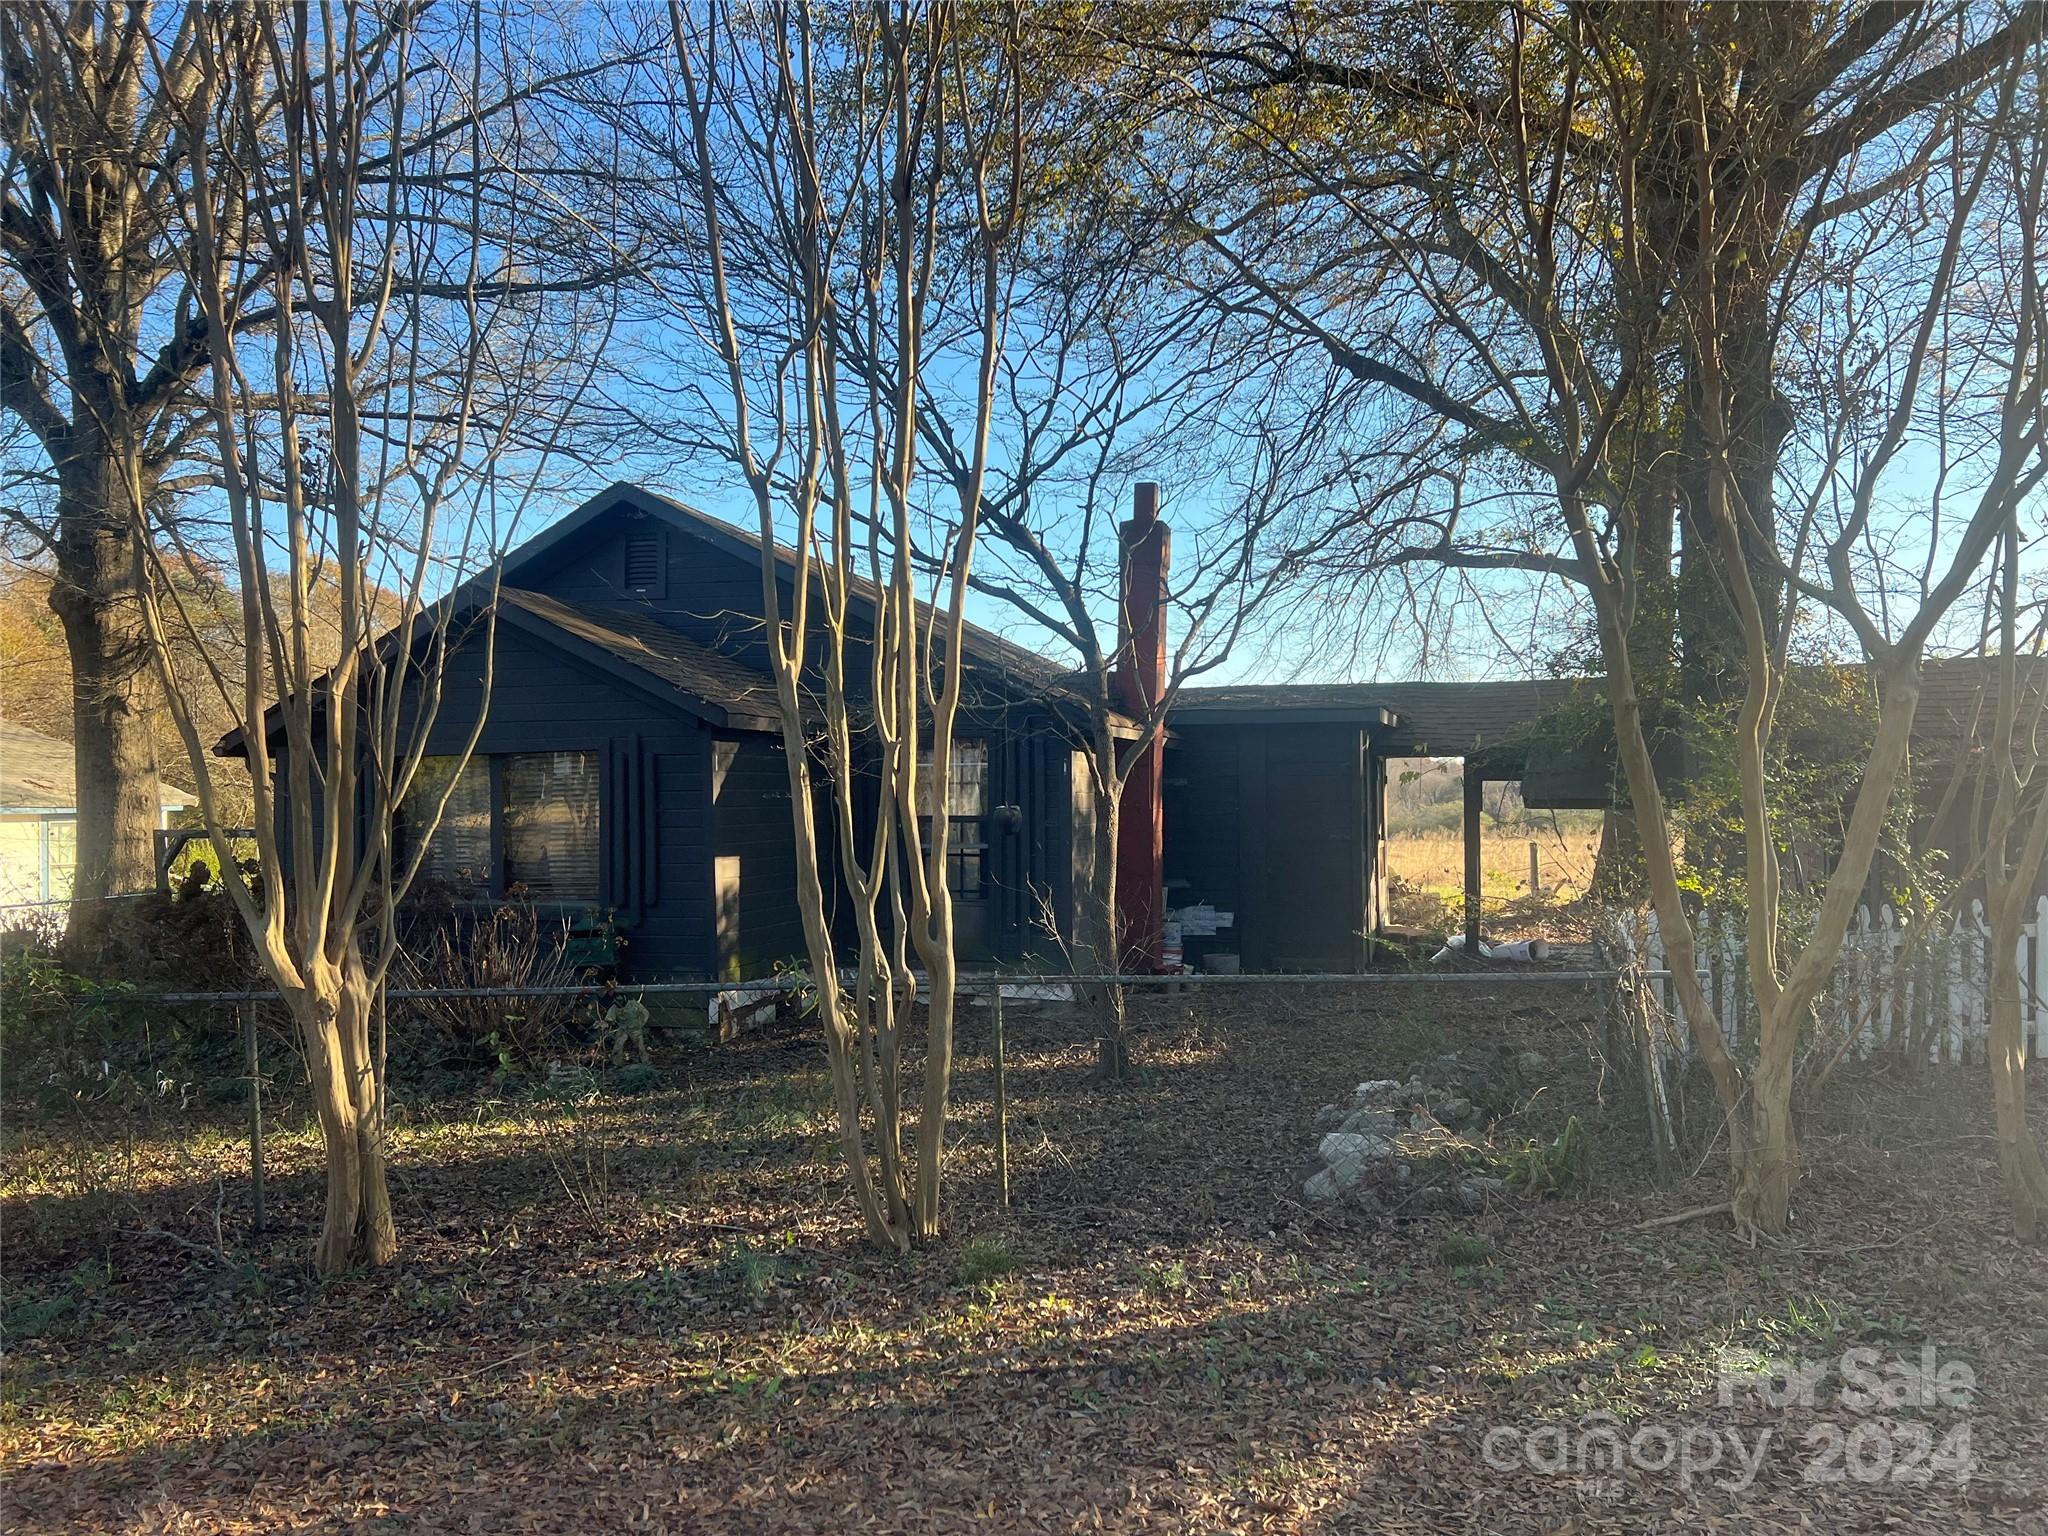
(1175, 1343)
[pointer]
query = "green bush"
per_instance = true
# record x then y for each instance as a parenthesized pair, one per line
(39, 1316)
(1167, 1280)
(90, 1030)
(981, 1260)
(1551, 1169)
(1460, 1250)
(1536, 1167)
(631, 1080)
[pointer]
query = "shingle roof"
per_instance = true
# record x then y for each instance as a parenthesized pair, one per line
(1959, 697)
(631, 636)
(981, 644)
(36, 772)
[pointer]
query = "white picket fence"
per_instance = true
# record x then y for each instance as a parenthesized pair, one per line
(1893, 984)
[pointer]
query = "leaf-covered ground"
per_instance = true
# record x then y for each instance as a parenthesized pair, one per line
(652, 1311)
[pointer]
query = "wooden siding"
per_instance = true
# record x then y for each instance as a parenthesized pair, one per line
(709, 594)
(714, 597)
(1270, 823)
(654, 860)
(753, 852)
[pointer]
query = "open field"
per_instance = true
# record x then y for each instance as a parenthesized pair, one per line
(1426, 870)
(628, 1311)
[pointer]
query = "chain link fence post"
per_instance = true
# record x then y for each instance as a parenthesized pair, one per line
(995, 1003)
(248, 1012)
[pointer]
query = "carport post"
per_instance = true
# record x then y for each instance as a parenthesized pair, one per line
(1475, 802)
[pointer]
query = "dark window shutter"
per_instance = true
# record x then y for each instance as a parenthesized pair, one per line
(645, 565)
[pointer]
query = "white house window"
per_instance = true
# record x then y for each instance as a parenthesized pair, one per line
(60, 856)
(548, 818)
(966, 813)
(459, 851)
(37, 856)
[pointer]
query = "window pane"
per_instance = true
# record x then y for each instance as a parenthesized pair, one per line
(21, 859)
(62, 832)
(967, 794)
(459, 852)
(550, 824)
(966, 805)
(964, 866)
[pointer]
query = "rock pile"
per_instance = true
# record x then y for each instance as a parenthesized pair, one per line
(1393, 1145)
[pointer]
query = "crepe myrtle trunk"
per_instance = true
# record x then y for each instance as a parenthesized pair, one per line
(95, 599)
(2020, 1166)
(1101, 951)
(1764, 1184)
(334, 1015)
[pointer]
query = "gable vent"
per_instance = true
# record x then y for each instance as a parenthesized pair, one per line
(644, 564)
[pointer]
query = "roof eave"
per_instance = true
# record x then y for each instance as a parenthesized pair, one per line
(1371, 716)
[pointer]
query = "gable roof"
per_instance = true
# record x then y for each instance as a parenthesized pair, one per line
(37, 773)
(619, 636)
(980, 644)
(732, 692)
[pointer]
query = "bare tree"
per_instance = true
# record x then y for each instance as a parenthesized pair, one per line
(1564, 251)
(2003, 355)
(104, 343)
(2016, 848)
(818, 151)
(366, 441)
(2016, 839)
(1129, 376)
(1066, 565)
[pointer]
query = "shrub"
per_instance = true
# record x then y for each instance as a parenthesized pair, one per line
(632, 1080)
(1552, 1168)
(67, 1037)
(444, 943)
(1460, 1250)
(981, 1260)
(34, 1316)
(751, 1270)
(193, 941)
(1167, 1280)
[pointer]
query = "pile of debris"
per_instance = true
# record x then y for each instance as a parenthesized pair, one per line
(1399, 1145)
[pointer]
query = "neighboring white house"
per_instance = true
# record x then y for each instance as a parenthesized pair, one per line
(39, 816)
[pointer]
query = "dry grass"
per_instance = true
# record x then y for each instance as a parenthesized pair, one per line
(1427, 879)
(1436, 861)
(1153, 1335)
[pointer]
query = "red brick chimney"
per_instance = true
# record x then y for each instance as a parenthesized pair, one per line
(1140, 677)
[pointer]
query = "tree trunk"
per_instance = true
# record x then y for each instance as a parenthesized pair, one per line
(1653, 839)
(333, 1013)
(1619, 878)
(94, 598)
(938, 1079)
(2019, 1156)
(1100, 951)
(1763, 1183)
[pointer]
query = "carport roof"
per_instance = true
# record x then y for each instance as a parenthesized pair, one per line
(1464, 719)
(1425, 719)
